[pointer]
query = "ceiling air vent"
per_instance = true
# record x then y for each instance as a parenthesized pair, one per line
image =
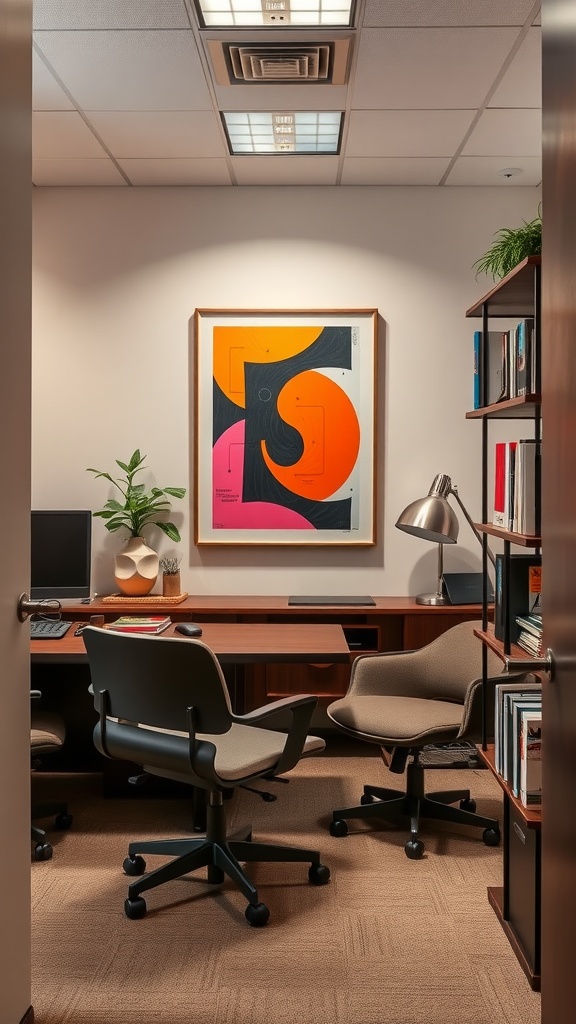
(271, 63)
(280, 63)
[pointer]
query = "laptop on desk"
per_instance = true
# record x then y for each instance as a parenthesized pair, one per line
(465, 588)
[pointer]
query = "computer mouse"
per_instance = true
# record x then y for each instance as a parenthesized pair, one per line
(188, 629)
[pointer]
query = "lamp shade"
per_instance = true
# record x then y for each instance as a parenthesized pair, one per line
(431, 518)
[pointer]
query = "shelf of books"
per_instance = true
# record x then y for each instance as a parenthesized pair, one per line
(524, 540)
(506, 385)
(519, 408)
(532, 815)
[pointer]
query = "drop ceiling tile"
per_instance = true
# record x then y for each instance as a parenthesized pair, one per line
(392, 133)
(382, 13)
(128, 70)
(47, 93)
(455, 66)
(506, 132)
(54, 14)
(58, 134)
(395, 171)
(521, 85)
(176, 172)
(160, 134)
(281, 97)
(285, 170)
(76, 172)
(483, 170)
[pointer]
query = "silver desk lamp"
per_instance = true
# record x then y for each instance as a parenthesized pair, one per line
(432, 518)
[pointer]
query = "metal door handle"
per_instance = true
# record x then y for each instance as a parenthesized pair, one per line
(545, 664)
(28, 607)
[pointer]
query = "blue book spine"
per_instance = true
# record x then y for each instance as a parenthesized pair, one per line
(477, 357)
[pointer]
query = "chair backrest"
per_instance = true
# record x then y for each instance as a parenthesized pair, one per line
(454, 660)
(153, 680)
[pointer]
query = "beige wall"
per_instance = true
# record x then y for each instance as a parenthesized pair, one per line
(118, 273)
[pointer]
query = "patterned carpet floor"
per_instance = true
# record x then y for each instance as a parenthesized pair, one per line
(387, 941)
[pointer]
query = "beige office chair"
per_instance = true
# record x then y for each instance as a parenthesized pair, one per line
(404, 701)
(47, 734)
(163, 703)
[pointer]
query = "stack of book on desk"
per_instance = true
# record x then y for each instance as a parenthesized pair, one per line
(517, 739)
(141, 623)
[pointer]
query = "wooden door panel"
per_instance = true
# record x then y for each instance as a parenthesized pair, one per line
(559, 510)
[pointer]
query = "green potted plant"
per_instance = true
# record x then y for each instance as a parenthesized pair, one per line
(136, 567)
(512, 245)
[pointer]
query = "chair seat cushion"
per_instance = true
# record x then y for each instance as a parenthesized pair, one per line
(398, 721)
(47, 732)
(241, 753)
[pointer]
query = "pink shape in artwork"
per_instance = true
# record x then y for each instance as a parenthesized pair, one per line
(229, 512)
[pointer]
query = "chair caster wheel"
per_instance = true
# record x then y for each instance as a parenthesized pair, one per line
(468, 804)
(365, 799)
(338, 828)
(43, 851)
(318, 874)
(134, 866)
(414, 849)
(491, 836)
(135, 909)
(257, 914)
(269, 798)
(63, 821)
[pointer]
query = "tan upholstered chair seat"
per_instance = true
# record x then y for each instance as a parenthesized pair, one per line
(398, 721)
(47, 732)
(244, 750)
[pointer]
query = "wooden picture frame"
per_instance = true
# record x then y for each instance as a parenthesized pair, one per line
(285, 427)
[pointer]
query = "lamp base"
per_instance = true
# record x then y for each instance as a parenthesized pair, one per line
(434, 599)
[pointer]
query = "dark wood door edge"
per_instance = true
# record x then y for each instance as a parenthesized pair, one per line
(28, 1017)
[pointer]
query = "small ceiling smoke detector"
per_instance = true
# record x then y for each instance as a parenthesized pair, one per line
(509, 172)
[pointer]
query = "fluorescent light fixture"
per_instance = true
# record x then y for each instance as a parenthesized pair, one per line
(283, 132)
(274, 13)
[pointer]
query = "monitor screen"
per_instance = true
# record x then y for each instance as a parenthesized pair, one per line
(60, 553)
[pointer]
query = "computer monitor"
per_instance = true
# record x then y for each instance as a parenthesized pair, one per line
(60, 553)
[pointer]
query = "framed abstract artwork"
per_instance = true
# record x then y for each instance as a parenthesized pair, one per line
(285, 424)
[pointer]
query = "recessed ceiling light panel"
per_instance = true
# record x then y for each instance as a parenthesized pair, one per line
(273, 13)
(304, 132)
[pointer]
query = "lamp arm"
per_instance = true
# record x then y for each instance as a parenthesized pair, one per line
(471, 524)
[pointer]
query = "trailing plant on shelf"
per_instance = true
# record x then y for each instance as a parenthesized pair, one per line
(139, 507)
(512, 245)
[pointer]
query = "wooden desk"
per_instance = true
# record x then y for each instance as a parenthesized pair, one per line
(235, 643)
(390, 624)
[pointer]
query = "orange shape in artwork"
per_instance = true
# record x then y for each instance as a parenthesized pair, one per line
(234, 346)
(325, 418)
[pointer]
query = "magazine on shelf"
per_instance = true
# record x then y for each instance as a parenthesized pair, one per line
(500, 690)
(533, 705)
(141, 623)
(531, 758)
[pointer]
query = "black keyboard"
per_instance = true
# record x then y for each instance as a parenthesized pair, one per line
(48, 629)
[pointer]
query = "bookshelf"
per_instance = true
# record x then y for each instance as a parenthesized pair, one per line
(517, 903)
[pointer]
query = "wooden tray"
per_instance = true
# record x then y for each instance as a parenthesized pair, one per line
(147, 599)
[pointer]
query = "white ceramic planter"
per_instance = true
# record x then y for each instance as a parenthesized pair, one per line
(136, 568)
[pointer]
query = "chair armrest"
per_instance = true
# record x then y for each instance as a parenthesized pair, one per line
(301, 709)
(259, 714)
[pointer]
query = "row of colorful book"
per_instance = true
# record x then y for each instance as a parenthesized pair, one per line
(518, 739)
(517, 473)
(511, 364)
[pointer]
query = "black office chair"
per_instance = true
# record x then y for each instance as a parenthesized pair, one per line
(163, 703)
(404, 701)
(47, 734)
